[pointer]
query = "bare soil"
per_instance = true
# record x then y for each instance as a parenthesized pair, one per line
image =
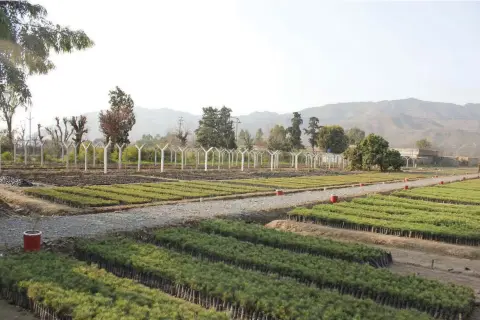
(11, 312)
(79, 178)
(14, 202)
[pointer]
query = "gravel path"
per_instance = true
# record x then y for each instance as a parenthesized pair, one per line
(11, 228)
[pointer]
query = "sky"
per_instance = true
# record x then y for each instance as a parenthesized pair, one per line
(260, 55)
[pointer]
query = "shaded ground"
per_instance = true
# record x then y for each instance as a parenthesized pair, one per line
(11, 312)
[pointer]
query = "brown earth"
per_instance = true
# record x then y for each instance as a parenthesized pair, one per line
(20, 204)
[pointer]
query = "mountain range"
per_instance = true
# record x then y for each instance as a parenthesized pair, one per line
(453, 129)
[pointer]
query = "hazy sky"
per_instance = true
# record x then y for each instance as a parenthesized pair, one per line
(255, 55)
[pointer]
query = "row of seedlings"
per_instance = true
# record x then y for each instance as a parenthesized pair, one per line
(247, 294)
(58, 287)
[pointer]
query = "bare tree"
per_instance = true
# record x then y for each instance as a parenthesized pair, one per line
(21, 132)
(39, 133)
(78, 125)
(9, 103)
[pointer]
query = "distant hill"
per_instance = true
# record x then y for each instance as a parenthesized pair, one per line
(453, 128)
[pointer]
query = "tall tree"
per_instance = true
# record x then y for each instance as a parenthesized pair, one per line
(79, 128)
(206, 132)
(423, 144)
(355, 135)
(116, 123)
(9, 103)
(312, 132)
(277, 140)
(226, 129)
(241, 137)
(28, 39)
(248, 140)
(374, 149)
(332, 139)
(216, 129)
(295, 133)
(259, 137)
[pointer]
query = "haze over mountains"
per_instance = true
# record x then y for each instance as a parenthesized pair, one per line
(454, 129)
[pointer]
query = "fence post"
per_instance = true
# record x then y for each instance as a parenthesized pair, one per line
(41, 153)
(75, 148)
(206, 157)
(85, 146)
(139, 164)
(119, 147)
(66, 147)
(182, 156)
(25, 152)
(162, 156)
(243, 158)
(105, 157)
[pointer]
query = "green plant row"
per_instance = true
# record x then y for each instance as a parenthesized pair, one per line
(320, 181)
(297, 243)
(446, 191)
(74, 200)
(385, 226)
(438, 198)
(347, 277)
(254, 293)
(171, 190)
(71, 288)
(122, 198)
(186, 189)
(390, 201)
(225, 187)
(461, 221)
(154, 196)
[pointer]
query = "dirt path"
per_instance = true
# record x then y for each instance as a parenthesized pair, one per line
(11, 312)
(12, 228)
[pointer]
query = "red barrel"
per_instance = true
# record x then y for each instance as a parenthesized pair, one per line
(32, 240)
(406, 187)
(441, 182)
(333, 198)
(279, 192)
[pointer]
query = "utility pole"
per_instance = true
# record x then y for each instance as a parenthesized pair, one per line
(29, 118)
(180, 122)
(236, 127)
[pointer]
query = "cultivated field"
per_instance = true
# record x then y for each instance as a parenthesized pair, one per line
(127, 194)
(224, 270)
(446, 213)
(230, 269)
